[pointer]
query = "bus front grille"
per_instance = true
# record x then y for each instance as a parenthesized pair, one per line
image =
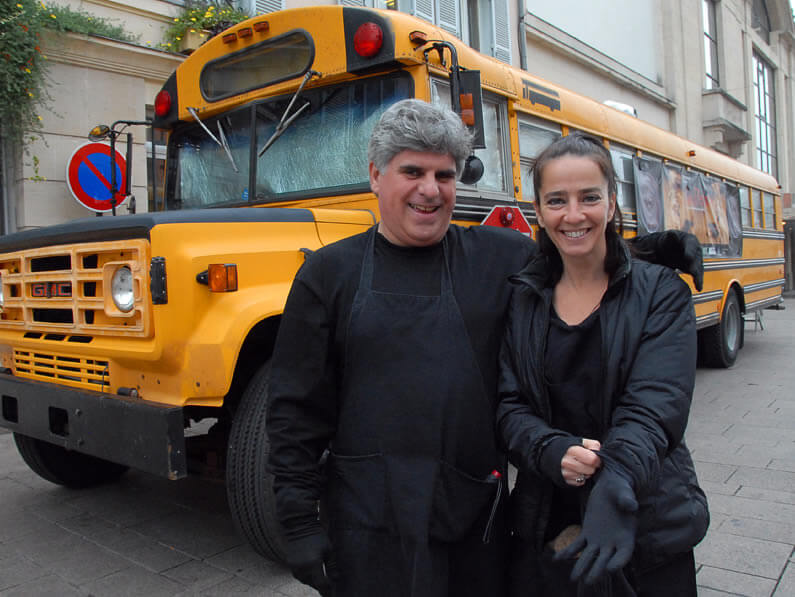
(69, 370)
(66, 289)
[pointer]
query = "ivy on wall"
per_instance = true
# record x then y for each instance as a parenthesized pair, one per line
(23, 64)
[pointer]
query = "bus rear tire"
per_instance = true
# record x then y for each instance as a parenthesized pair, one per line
(719, 344)
(65, 467)
(249, 487)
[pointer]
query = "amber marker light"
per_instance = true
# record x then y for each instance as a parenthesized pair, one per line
(222, 277)
(467, 109)
(418, 37)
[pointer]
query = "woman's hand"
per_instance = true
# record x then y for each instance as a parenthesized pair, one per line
(580, 462)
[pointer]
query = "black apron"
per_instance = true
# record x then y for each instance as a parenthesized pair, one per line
(412, 466)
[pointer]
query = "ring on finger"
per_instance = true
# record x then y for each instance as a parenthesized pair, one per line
(579, 480)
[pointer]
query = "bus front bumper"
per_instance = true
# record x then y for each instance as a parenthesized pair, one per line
(143, 435)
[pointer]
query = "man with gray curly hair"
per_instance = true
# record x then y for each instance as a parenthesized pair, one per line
(386, 357)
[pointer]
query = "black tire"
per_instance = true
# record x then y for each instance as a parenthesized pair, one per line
(719, 344)
(65, 467)
(249, 486)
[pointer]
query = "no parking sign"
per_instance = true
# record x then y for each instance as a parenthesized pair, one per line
(88, 176)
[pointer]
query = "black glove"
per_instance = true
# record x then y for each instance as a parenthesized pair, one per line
(607, 538)
(673, 248)
(312, 562)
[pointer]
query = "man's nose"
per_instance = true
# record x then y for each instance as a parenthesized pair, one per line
(429, 186)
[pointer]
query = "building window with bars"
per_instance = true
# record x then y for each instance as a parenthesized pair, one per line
(764, 115)
(712, 79)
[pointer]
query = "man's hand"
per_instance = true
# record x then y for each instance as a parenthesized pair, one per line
(607, 539)
(312, 562)
(673, 248)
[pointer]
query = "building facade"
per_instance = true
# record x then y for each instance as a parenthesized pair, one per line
(718, 72)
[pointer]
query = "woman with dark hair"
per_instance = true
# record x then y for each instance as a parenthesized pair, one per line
(597, 373)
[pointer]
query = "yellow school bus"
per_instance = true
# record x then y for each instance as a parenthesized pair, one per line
(144, 340)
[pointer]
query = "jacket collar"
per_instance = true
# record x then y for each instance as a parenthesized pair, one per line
(536, 274)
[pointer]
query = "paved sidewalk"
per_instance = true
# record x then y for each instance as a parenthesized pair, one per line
(150, 537)
(742, 436)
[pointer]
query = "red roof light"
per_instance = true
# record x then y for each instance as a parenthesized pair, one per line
(162, 103)
(368, 40)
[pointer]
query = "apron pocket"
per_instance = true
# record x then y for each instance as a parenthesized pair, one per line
(356, 494)
(459, 501)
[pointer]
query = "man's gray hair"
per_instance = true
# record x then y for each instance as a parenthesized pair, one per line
(416, 125)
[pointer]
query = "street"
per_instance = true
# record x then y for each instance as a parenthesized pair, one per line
(149, 536)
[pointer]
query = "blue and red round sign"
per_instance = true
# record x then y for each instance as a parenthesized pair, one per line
(88, 176)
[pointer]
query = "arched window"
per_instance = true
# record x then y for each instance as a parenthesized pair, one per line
(760, 20)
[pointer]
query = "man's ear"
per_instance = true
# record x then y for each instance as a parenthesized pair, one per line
(375, 177)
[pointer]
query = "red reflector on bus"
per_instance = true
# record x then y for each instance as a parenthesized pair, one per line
(229, 37)
(245, 32)
(368, 40)
(162, 103)
(261, 26)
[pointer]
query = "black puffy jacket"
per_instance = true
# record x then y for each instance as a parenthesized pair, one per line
(649, 363)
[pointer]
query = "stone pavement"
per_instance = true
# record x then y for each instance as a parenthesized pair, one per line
(151, 537)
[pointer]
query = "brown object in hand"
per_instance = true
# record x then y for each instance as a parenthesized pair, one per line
(565, 538)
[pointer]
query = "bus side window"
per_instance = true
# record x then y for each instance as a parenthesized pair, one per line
(494, 156)
(534, 136)
(769, 210)
(745, 207)
(622, 162)
(756, 200)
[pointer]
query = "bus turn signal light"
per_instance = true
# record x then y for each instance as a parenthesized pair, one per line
(162, 103)
(467, 109)
(368, 39)
(219, 277)
(222, 277)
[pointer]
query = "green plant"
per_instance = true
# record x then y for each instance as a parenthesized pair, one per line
(23, 66)
(198, 16)
(78, 21)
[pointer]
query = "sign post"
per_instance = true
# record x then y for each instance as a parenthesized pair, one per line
(88, 175)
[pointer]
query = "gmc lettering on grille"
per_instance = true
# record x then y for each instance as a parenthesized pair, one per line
(51, 289)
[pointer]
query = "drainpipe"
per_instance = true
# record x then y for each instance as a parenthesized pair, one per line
(522, 11)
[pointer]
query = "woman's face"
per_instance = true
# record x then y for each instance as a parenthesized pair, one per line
(574, 207)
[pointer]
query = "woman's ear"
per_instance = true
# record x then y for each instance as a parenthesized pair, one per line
(539, 217)
(612, 211)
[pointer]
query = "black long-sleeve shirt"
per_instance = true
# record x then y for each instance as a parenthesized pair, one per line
(307, 360)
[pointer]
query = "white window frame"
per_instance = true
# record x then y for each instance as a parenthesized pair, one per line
(527, 161)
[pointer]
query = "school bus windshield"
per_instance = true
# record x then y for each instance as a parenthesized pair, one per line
(322, 151)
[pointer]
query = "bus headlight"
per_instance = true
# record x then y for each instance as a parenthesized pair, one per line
(121, 289)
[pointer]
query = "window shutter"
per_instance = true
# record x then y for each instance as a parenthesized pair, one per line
(449, 18)
(353, 3)
(502, 30)
(424, 10)
(263, 6)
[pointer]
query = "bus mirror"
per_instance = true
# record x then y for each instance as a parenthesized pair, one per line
(473, 170)
(99, 132)
(470, 100)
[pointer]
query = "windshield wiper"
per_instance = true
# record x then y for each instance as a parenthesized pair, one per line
(285, 122)
(223, 142)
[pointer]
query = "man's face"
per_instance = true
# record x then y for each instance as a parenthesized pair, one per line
(416, 196)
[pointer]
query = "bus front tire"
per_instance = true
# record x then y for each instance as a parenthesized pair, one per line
(719, 344)
(65, 467)
(249, 487)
